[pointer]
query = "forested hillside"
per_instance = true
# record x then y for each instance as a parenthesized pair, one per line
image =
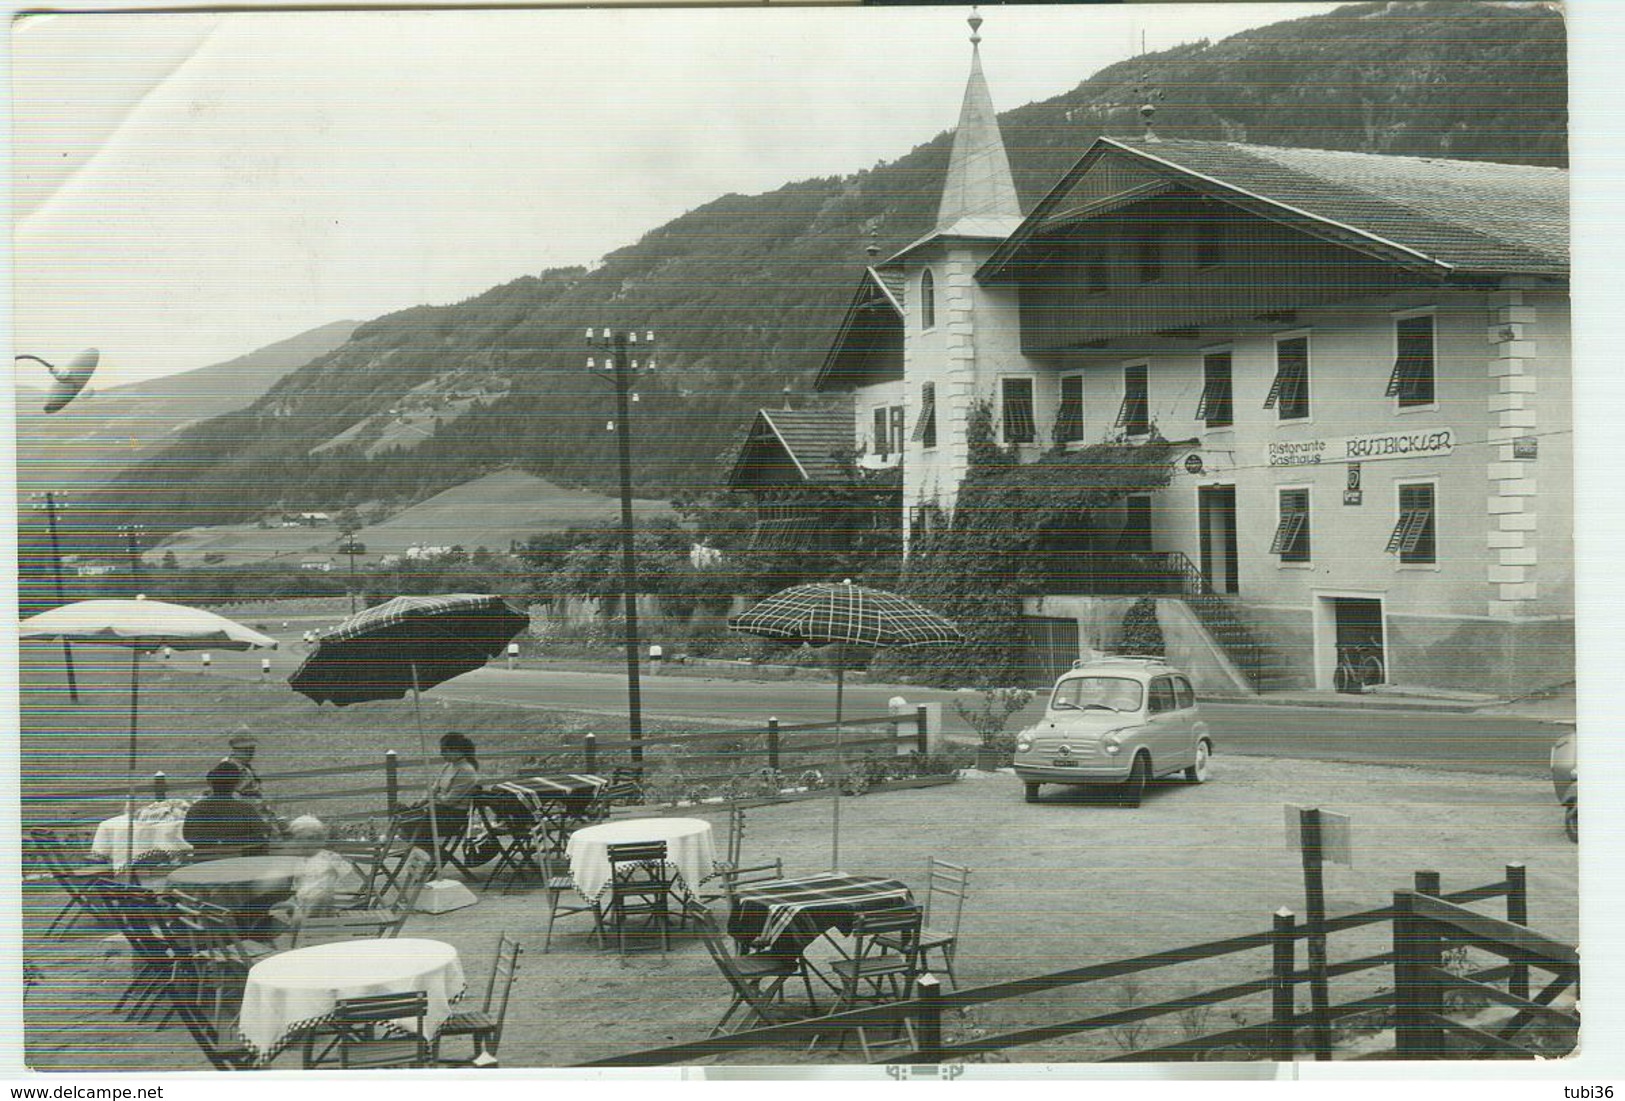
(746, 291)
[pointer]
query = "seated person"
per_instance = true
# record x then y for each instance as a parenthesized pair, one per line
(220, 820)
(242, 748)
(322, 876)
(452, 794)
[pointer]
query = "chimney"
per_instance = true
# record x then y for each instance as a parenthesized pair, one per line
(788, 407)
(1148, 113)
(872, 249)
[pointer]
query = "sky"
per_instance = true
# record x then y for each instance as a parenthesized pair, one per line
(189, 187)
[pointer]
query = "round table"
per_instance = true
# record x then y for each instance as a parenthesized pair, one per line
(295, 990)
(113, 838)
(244, 884)
(688, 849)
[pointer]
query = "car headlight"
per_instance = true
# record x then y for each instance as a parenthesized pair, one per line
(1112, 744)
(1024, 742)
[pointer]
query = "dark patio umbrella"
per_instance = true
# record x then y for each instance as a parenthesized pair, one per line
(406, 645)
(825, 614)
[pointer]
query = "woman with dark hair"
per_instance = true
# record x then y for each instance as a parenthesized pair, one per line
(452, 792)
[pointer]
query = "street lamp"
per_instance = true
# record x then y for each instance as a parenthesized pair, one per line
(132, 537)
(349, 548)
(50, 499)
(620, 348)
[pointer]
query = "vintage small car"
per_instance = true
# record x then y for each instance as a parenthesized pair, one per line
(1122, 721)
(1566, 783)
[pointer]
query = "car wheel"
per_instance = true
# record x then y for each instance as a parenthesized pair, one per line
(1032, 792)
(1139, 774)
(1197, 773)
(1571, 821)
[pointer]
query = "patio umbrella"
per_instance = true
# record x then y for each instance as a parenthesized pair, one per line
(141, 624)
(826, 614)
(406, 645)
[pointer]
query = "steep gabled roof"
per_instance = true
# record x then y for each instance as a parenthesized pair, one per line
(1446, 216)
(811, 438)
(877, 292)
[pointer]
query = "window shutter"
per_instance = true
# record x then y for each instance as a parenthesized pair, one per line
(1069, 420)
(1209, 398)
(1275, 388)
(1122, 411)
(1286, 533)
(925, 427)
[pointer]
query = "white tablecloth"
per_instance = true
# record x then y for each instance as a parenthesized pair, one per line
(113, 835)
(293, 990)
(688, 849)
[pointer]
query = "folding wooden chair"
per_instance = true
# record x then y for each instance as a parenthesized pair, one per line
(727, 883)
(640, 886)
(158, 954)
(521, 838)
(363, 1033)
(559, 885)
(757, 982)
(220, 957)
(884, 963)
(484, 1025)
(625, 786)
(77, 881)
(221, 1053)
(946, 887)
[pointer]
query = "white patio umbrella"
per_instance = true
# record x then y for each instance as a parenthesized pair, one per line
(141, 624)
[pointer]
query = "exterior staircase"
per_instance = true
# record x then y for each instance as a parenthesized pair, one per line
(1260, 664)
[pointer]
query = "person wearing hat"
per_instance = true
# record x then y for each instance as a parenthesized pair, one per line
(242, 750)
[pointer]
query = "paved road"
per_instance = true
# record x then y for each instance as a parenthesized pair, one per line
(1458, 742)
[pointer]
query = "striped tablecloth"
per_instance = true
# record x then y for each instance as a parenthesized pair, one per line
(783, 917)
(544, 795)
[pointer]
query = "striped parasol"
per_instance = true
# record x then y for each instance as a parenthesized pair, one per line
(825, 614)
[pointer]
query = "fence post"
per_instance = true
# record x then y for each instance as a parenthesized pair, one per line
(773, 742)
(928, 991)
(1283, 990)
(1429, 953)
(1518, 914)
(921, 743)
(160, 787)
(589, 746)
(1405, 993)
(392, 781)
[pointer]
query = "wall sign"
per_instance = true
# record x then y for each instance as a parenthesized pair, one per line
(1525, 447)
(1371, 448)
(1193, 463)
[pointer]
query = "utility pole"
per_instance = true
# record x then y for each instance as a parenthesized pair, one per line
(61, 596)
(132, 536)
(620, 344)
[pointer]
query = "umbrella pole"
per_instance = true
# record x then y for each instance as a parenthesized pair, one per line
(840, 759)
(129, 793)
(423, 748)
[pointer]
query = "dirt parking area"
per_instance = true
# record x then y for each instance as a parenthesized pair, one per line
(1063, 883)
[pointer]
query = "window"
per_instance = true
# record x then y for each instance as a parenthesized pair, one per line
(1209, 243)
(1216, 407)
(928, 300)
(1136, 535)
(1134, 415)
(1069, 417)
(1412, 378)
(1183, 694)
(1289, 393)
(925, 428)
(1413, 536)
(1016, 395)
(888, 429)
(1291, 540)
(1150, 244)
(1162, 695)
(1096, 274)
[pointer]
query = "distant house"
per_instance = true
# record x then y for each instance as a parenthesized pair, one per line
(321, 565)
(94, 569)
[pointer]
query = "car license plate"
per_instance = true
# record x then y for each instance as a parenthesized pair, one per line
(1065, 762)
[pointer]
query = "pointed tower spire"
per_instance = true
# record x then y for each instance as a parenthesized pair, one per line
(978, 186)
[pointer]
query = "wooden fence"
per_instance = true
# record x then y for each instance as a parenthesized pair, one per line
(1275, 1038)
(705, 759)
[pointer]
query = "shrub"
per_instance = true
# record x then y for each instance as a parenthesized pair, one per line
(1142, 634)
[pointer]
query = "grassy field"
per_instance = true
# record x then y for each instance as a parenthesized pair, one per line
(508, 505)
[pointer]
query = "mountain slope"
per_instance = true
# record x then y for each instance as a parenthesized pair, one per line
(745, 292)
(103, 431)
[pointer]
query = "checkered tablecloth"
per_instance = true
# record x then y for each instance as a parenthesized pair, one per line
(783, 917)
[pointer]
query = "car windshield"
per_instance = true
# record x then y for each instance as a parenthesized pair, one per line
(1098, 693)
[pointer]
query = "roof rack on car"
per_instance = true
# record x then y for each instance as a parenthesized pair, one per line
(1148, 659)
